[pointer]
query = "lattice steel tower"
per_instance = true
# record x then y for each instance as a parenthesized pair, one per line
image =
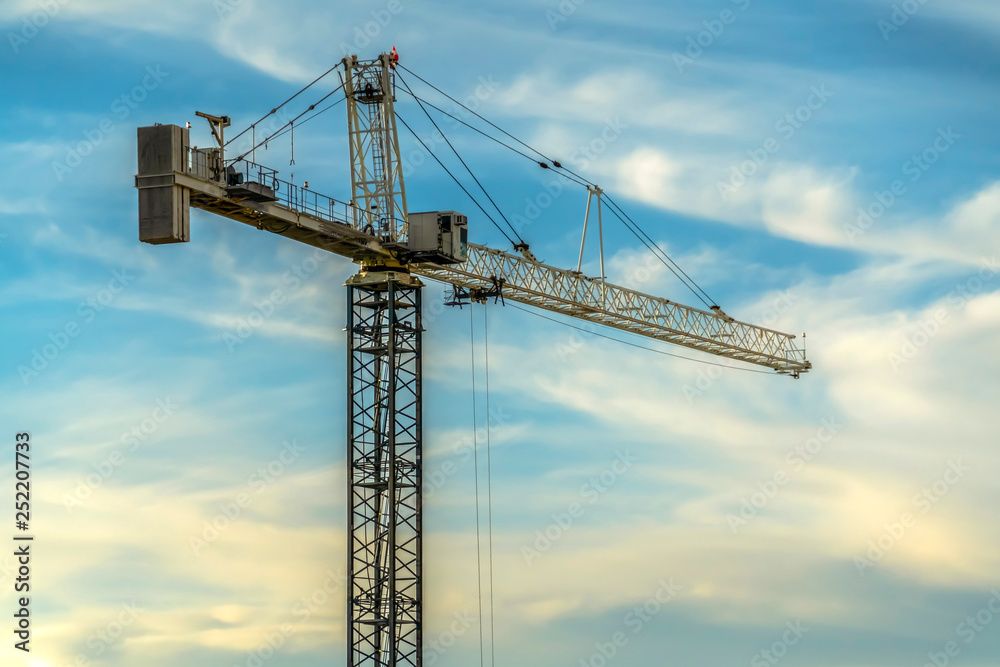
(384, 392)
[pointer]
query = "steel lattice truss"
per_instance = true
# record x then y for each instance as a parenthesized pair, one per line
(384, 444)
(376, 172)
(559, 290)
(576, 295)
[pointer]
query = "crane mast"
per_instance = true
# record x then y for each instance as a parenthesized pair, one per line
(394, 248)
(384, 438)
(384, 390)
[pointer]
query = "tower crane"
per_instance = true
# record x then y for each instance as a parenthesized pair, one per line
(395, 250)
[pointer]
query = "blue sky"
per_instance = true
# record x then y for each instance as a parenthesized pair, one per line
(843, 520)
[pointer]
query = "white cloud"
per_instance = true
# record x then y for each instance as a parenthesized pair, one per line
(978, 13)
(250, 581)
(978, 218)
(599, 98)
(791, 201)
(808, 204)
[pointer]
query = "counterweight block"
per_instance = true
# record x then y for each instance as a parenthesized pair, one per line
(164, 208)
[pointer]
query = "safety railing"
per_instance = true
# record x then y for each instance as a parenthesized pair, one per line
(205, 163)
(244, 171)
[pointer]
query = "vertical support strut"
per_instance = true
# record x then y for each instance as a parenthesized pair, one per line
(592, 192)
(384, 436)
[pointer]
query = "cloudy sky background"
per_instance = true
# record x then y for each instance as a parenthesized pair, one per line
(901, 311)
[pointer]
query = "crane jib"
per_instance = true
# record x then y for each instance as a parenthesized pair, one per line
(576, 295)
(251, 194)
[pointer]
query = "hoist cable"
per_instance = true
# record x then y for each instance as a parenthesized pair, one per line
(464, 164)
(489, 483)
(275, 134)
(485, 120)
(569, 177)
(641, 347)
(659, 254)
(457, 182)
(275, 109)
(618, 209)
(638, 231)
(282, 133)
(475, 463)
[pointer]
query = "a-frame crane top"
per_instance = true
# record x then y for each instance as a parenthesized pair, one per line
(394, 248)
